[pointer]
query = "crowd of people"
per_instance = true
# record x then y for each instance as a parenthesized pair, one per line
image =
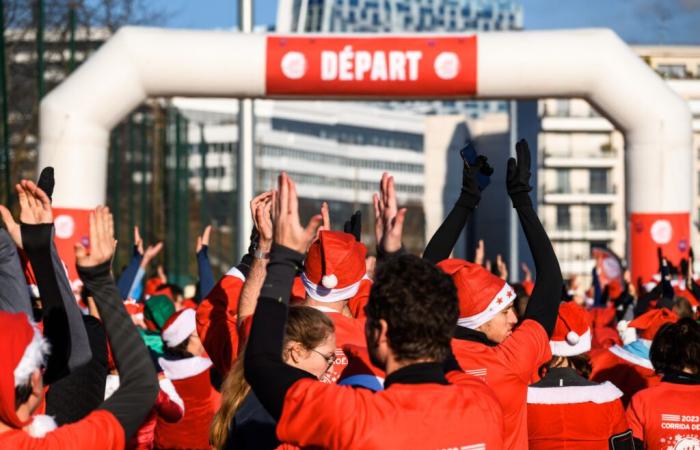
(310, 342)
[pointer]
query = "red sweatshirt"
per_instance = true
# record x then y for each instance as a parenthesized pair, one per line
(507, 368)
(625, 370)
(100, 430)
(583, 417)
(666, 416)
(463, 414)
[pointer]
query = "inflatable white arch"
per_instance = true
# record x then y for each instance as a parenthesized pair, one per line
(77, 116)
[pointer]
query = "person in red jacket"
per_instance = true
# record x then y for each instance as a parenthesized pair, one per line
(410, 319)
(667, 416)
(25, 351)
(629, 367)
(486, 341)
(186, 364)
(564, 409)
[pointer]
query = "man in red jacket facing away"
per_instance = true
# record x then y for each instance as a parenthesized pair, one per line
(486, 342)
(668, 415)
(410, 318)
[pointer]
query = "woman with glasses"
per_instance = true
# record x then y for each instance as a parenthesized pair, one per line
(242, 422)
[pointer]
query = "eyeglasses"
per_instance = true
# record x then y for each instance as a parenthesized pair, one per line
(330, 359)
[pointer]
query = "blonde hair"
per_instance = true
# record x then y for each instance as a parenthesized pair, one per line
(305, 325)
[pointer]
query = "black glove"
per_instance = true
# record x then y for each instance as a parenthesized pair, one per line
(667, 291)
(46, 181)
(518, 176)
(354, 226)
(475, 178)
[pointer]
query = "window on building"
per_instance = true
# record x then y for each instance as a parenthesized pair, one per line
(599, 217)
(563, 181)
(563, 107)
(672, 70)
(598, 181)
(563, 217)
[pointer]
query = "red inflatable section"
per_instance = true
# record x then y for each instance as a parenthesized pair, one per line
(649, 231)
(71, 225)
(371, 66)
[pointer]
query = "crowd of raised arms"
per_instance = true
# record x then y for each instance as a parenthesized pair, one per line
(310, 342)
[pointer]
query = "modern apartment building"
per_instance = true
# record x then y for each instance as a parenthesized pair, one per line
(581, 188)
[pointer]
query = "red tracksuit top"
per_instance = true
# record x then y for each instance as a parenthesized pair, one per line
(507, 369)
(99, 430)
(464, 414)
(576, 417)
(666, 416)
(191, 379)
(625, 370)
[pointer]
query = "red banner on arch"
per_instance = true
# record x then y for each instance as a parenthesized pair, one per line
(371, 67)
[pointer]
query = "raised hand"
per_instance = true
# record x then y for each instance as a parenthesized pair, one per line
(102, 242)
(35, 208)
(518, 174)
(354, 226)
(501, 267)
(526, 271)
(203, 240)
(389, 219)
(288, 230)
(138, 242)
(152, 251)
(260, 210)
(480, 253)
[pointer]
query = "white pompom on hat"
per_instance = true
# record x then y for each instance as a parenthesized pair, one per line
(334, 267)
(572, 332)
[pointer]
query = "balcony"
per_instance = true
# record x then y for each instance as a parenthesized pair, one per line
(570, 123)
(581, 232)
(606, 157)
(563, 196)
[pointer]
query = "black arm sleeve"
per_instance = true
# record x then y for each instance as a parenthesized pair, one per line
(265, 371)
(444, 239)
(544, 301)
(644, 301)
(138, 383)
(63, 323)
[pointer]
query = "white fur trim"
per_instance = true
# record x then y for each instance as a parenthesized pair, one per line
(179, 369)
(329, 281)
(234, 272)
(600, 393)
(111, 385)
(500, 301)
(40, 426)
(181, 328)
(33, 358)
(168, 387)
(630, 357)
(34, 291)
(325, 309)
(563, 348)
(323, 294)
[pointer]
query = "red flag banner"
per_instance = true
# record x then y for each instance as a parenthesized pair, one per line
(371, 66)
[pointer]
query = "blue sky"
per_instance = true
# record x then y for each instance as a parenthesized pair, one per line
(636, 21)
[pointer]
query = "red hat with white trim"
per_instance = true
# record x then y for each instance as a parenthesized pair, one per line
(24, 350)
(179, 327)
(481, 294)
(649, 323)
(334, 267)
(572, 332)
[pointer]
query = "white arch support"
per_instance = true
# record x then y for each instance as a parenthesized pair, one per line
(136, 63)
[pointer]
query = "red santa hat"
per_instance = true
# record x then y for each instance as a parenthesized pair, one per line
(179, 327)
(24, 351)
(572, 332)
(651, 321)
(133, 308)
(481, 294)
(334, 267)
